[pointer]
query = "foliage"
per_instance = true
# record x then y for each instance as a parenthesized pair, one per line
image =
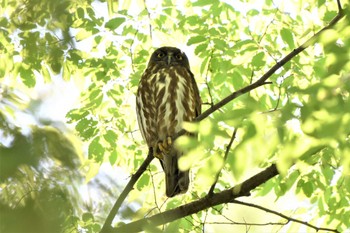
(300, 121)
(33, 158)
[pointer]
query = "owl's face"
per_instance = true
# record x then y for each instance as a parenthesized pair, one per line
(169, 56)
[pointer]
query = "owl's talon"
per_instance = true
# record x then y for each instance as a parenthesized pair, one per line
(165, 146)
(158, 155)
(169, 140)
(162, 147)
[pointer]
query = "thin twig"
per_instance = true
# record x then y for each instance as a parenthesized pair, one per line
(154, 192)
(289, 219)
(230, 221)
(205, 220)
(279, 97)
(211, 190)
(206, 79)
(265, 32)
(149, 18)
(131, 52)
(25, 195)
(246, 223)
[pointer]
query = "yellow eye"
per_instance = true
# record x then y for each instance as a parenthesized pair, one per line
(160, 54)
(178, 56)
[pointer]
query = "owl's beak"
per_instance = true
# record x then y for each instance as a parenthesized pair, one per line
(170, 56)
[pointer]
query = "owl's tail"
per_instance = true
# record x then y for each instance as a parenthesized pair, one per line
(176, 181)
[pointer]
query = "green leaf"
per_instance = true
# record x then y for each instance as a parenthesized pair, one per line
(96, 150)
(308, 188)
(193, 20)
(216, 9)
(213, 32)
(201, 48)
(250, 131)
(86, 128)
(204, 65)
(94, 94)
(113, 157)
(287, 37)
(115, 23)
(196, 40)
(329, 15)
(80, 13)
(27, 76)
(328, 173)
(111, 137)
(253, 12)
(259, 59)
(87, 216)
(143, 181)
(220, 44)
(266, 188)
(203, 3)
(320, 2)
(243, 44)
(3, 22)
(46, 74)
(83, 34)
(98, 39)
(75, 114)
(56, 67)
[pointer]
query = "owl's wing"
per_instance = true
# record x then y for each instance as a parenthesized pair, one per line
(197, 97)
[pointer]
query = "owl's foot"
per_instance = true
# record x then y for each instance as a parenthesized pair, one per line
(165, 146)
(158, 154)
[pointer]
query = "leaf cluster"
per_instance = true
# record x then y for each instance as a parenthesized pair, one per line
(300, 120)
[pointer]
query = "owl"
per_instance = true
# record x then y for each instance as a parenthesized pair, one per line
(167, 96)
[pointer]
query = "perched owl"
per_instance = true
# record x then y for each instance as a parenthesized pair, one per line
(167, 96)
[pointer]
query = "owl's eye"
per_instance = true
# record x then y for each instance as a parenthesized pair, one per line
(160, 54)
(178, 57)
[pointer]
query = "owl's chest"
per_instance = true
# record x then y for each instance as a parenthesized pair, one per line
(167, 84)
(167, 97)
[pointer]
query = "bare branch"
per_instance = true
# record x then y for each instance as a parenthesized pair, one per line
(289, 219)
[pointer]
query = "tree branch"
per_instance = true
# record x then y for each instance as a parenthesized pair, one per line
(289, 219)
(230, 221)
(208, 201)
(108, 223)
(206, 78)
(262, 80)
(149, 18)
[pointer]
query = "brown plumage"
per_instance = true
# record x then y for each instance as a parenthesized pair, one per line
(167, 96)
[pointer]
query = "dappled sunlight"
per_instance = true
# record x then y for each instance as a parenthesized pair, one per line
(269, 153)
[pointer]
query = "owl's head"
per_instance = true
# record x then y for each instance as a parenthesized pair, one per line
(169, 56)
